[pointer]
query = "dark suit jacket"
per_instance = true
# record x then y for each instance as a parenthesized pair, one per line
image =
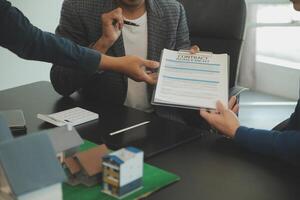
(81, 22)
(282, 144)
(27, 41)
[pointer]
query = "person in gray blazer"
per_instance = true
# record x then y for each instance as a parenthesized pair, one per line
(118, 28)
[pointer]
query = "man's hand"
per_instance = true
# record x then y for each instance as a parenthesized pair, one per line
(112, 24)
(224, 120)
(132, 66)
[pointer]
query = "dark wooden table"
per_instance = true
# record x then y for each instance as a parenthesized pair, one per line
(211, 167)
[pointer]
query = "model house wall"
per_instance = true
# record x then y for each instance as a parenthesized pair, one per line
(123, 171)
(53, 192)
(29, 169)
(132, 169)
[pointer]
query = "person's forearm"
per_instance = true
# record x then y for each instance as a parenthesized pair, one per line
(29, 42)
(102, 45)
(111, 63)
(284, 145)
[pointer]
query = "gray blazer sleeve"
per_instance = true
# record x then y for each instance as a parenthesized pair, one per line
(183, 38)
(66, 80)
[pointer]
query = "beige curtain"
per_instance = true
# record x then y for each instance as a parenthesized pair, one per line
(247, 64)
(248, 58)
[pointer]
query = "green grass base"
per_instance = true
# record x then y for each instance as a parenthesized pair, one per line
(153, 179)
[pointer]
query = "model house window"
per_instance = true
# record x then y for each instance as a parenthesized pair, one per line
(278, 35)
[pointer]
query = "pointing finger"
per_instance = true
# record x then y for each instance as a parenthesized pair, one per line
(232, 102)
(151, 64)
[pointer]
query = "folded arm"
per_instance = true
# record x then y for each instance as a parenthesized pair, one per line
(64, 80)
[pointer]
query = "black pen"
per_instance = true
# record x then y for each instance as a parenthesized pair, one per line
(130, 23)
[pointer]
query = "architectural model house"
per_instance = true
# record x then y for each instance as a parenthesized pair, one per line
(29, 169)
(85, 167)
(65, 141)
(123, 171)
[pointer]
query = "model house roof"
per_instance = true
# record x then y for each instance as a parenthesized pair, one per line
(121, 156)
(5, 133)
(29, 163)
(90, 160)
(72, 165)
(62, 139)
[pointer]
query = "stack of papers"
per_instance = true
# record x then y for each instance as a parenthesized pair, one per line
(192, 80)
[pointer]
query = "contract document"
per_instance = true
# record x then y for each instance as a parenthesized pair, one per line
(192, 80)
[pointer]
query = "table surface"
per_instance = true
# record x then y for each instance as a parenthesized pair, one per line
(211, 167)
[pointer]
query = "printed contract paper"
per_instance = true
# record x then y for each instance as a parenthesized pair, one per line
(192, 80)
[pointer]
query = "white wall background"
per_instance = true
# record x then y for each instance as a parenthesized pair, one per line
(15, 71)
(270, 65)
(277, 80)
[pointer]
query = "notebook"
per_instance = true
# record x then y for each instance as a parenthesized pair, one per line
(73, 116)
